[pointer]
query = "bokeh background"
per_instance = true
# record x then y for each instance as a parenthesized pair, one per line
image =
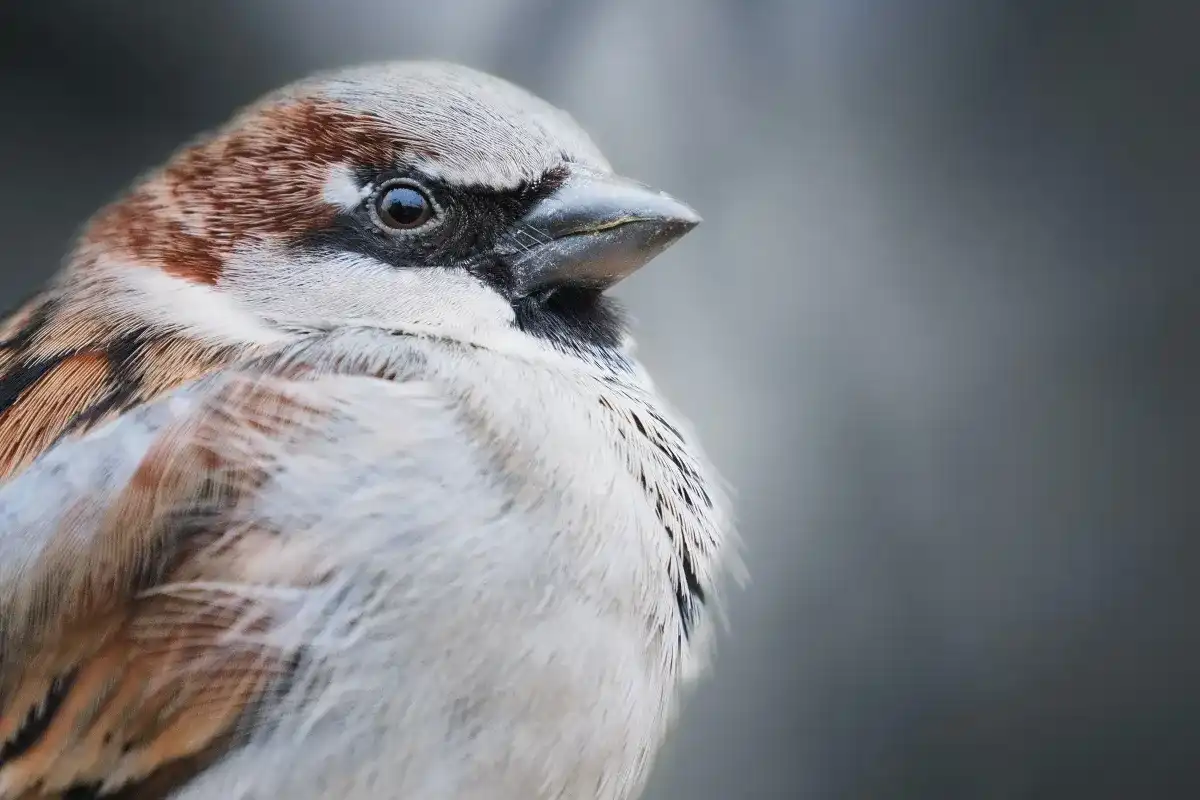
(938, 330)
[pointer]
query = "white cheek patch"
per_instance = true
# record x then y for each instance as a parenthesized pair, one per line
(151, 295)
(342, 190)
(351, 289)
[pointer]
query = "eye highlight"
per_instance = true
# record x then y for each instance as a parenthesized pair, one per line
(402, 207)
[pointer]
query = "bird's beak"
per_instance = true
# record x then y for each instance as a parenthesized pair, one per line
(593, 231)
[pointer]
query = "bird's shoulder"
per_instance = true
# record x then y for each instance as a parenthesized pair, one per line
(63, 371)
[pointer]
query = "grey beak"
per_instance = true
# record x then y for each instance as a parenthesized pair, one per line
(593, 231)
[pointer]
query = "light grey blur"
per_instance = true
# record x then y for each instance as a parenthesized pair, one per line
(937, 330)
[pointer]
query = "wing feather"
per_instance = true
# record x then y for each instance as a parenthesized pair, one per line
(123, 565)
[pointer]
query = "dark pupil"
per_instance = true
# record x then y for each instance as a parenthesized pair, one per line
(403, 207)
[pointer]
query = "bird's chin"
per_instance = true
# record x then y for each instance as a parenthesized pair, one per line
(568, 300)
(575, 317)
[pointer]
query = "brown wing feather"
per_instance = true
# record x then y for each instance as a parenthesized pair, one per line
(126, 673)
(63, 374)
(63, 389)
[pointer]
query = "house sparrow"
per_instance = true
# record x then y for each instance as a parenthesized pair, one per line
(328, 470)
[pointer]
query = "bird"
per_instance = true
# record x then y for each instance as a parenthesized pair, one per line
(328, 468)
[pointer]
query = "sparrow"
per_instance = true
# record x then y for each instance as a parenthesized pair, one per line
(328, 470)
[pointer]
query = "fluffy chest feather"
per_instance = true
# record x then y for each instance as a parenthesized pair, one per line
(575, 595)
(597, 449)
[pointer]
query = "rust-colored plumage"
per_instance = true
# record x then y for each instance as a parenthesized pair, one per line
(262, 178)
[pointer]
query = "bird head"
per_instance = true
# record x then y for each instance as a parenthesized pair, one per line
(420, 198)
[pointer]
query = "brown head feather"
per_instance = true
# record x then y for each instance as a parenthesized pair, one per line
(262, 177)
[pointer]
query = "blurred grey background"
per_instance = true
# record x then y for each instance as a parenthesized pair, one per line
(938, 331)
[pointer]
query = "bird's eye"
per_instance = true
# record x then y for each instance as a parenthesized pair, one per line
(403, 208)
